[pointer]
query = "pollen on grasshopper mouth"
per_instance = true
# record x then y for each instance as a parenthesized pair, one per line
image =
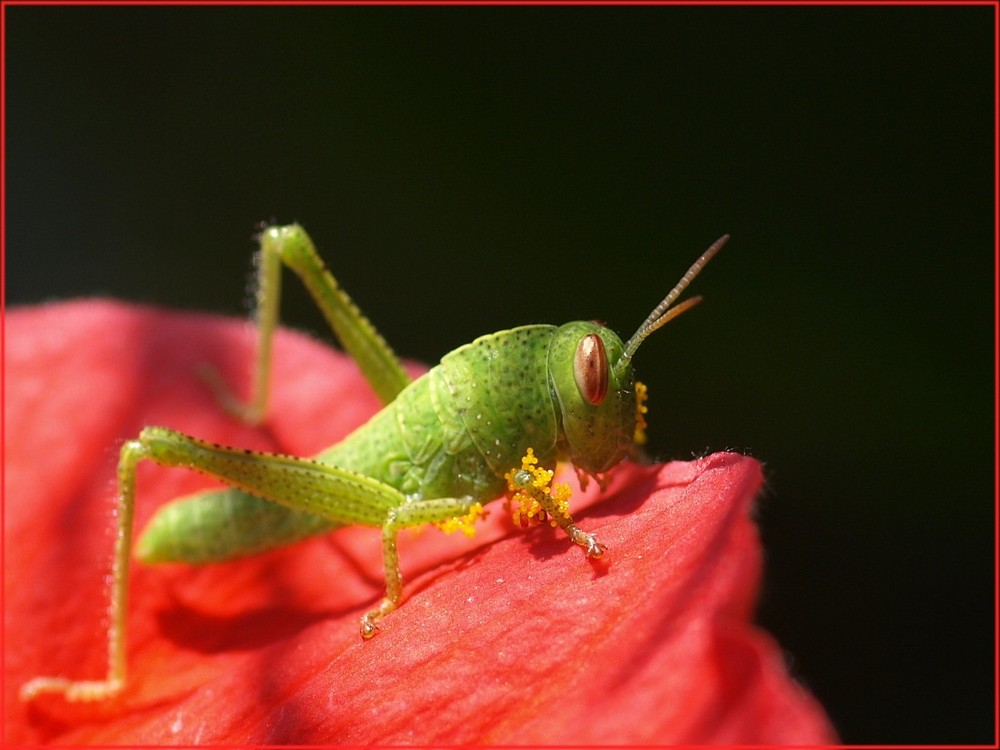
(641, 396)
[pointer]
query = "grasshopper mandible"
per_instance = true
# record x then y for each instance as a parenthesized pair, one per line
(483, 422)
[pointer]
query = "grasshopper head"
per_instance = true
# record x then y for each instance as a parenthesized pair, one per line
(596, 400)
(597, 392)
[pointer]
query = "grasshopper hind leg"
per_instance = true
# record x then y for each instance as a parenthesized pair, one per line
(292, 247)
(93, 690)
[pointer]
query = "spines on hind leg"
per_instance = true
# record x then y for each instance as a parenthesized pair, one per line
(222, 525)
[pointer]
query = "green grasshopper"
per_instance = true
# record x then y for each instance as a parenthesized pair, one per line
(479, 425)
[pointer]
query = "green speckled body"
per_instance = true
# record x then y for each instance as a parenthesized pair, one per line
(437, 452)
(456, 430)
(453, 432)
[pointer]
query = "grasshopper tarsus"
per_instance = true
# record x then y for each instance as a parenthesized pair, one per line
(591, 547)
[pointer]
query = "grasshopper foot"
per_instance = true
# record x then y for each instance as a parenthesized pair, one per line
(75, 691)
(369, 628)
(591, 547)
(252, 413)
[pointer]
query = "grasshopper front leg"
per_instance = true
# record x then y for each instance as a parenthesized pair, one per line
(333, 493)
(536, 500)
(291, 246)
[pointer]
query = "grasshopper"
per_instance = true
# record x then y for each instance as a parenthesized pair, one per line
(482, 423)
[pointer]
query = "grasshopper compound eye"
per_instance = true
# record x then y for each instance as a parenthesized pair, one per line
(590, 368)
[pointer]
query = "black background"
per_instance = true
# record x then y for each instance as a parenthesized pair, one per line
(468, 169)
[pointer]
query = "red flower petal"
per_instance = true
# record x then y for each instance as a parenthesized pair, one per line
(510, 638)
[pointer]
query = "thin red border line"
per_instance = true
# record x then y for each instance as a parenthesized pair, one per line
(3, 325)
(996, 375)
(469, 3)
(790, 3)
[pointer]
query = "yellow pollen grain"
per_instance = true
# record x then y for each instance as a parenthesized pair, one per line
(641, 396)
(525, 502)
(465, 523)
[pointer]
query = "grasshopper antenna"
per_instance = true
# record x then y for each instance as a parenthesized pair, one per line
(663, 313)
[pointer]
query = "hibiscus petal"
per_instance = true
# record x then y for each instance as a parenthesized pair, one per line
(510, 638)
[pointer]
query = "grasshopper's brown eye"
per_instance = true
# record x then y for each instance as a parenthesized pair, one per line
(590, 367)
